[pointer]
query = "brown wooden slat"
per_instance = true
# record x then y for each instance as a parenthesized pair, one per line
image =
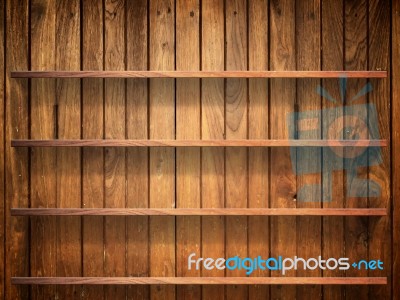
(69, 242)
(200, 74)
(137, 176)
(197, 143)
(308, 57)
(332, 182)
(188, 229)
(199, 280)
(199, 211)
(395, 133)
(162, 120)
(92, 158)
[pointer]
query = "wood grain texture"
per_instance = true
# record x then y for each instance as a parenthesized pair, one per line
(162, 160)
(43, 162)
(137, 247)
(200, 280)
(308, 57)
(93, 158)
(188, 229)
(236, 126)
(199, 74)
(16, 193)
(212, 127)
(200, 211)
(198, 143)
(332, 180)
(69, 243)
(395, 135)
(114, 127)
(2, 149)
(356, 58)
(282, 97)
(258, 121)
(378, 58)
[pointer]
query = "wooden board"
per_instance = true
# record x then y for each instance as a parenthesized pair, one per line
(162, 160)
(282, 99)
(200, 74)
(199, 212)
(114, 127)
(93, 158)
(201, 280)
(332, 180)
(378, 58)
(198, 143)
(43, 162)
(236, 126)
(68, 160)
(308, 57)
(395, 135)
(2, 149)
(212, 127)
(258, 124)
(188, 229)
(137, 247)
(355, 56)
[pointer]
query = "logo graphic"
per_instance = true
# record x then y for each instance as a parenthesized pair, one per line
(342, 122)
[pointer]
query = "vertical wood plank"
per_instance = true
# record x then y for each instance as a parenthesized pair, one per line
(162, 160)
(43, 161)
(332, 181)
(2, 149)
(17, 160)
(236, 128)
(114, 118)
(379, 59)
(188, 159)
(93, 158)
(258, 121)
(137, 260)
(282, 98)
(68, 160)
(395, 105)
(356, 229)
(308, 58)
(212, 127)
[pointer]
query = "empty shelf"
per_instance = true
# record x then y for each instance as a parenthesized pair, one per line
(199, 74)
(198, 280)
(197, 143)
(198, 211)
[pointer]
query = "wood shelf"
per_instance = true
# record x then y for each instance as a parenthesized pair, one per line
(199, 280)
(198, 212)
(197, 143)
(199, 74)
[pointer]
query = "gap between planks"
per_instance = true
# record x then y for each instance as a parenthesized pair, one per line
(197, 143)
(198, 280)
(199, 74)
(199, 211)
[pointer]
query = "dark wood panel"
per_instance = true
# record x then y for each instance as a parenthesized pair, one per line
(199, 211)
(200, 280)
(200, 74)
(395, 135)
(137, 247)
(92, 158)
(69, 243)
(198, 143)
(43, 162)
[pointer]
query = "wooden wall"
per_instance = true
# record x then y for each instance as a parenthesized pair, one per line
(187, 35)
